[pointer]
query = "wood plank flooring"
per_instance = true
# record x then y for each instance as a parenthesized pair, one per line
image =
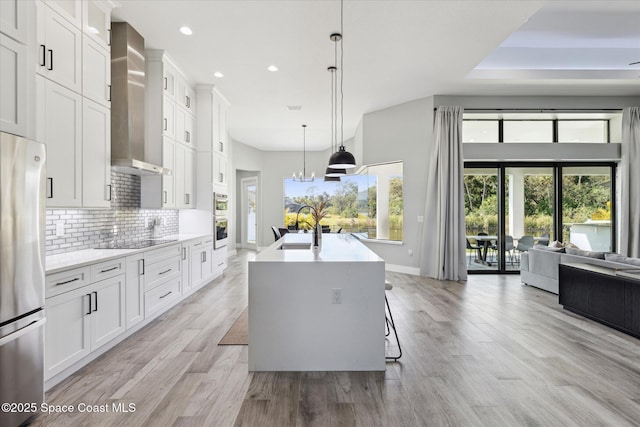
(490, 352)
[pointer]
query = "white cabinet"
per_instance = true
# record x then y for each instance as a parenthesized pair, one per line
(168, 178)
(219, 261)
(185, 97)
(169, 80)
(159, 191)
(96, 72)
(163, 278)
(219, 170)
(59, 48)
(107, 310)
(59, 116)
(13, 19)
(169, 117)
(185, 123)
(183, 177)
(82, 320)
(134, 295)
(201, 257)
(96, 155)
(186, 269)
(96, 23)
(13, 86)
(70, 9)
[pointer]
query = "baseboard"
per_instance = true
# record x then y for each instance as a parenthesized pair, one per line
(415, 271)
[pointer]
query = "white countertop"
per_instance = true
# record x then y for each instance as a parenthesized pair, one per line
(65, 261)
(335, 248)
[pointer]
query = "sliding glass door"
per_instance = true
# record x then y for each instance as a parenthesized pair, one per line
(510, 207)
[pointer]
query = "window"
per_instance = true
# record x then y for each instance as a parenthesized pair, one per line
(588, 127)
(369, 203)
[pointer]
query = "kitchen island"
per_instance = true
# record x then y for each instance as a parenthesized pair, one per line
(316, 311)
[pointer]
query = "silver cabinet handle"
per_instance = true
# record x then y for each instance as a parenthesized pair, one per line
(68, 281)
(109, 269)
(165, 83)
(165, 196)
(109, 95)
(221, 146)
(166, 295)
(165, 272)
(184, 254)
(141, 267)
(165, 123)
(109, 39)
(107, 191)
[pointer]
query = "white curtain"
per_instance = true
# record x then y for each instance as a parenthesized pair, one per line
(630, 183)
(443, 240)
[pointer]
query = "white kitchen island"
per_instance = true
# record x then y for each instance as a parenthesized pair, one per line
(316, 311)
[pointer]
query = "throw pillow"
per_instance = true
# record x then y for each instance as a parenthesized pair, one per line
(615, 257)
(633, 261)
(556, 244)
(580, 252)
(571, 245)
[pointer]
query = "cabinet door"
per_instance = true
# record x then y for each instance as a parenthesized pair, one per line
(189, 126)
(70, 9)
(185, 264)
(13, 86)
(59, 50)
(604, 296)
(96, 23)
(168, 179)
(178, 176)
(185, 97)
(189, 187)
(197, 258)
(219, 170)
(222, 129)
(59, 126)
(207, 263)
(96, 155)
(108, 310)
(13, 19)
(169, 80)
(219, 261)
(96, 73)
(134, 295)
(67, 331)
(169, 117)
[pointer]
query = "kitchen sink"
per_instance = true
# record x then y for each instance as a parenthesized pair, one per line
(292, 245)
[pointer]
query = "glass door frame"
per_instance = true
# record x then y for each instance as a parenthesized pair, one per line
(244, 184)
(502, 166)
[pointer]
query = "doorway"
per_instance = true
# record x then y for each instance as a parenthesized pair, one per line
(249, 213)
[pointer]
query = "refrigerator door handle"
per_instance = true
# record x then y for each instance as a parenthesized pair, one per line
(20, 332)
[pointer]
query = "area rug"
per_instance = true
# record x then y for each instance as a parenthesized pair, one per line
(238, 334)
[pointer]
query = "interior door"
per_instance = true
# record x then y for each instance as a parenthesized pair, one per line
(249, 213)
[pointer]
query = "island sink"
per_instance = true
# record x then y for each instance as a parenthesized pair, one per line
(295, 245)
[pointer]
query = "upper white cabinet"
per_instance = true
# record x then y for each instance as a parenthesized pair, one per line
(184, 176)
(185, 124)
(186, 95)
(17, 18)
(96, 23)
(96, 72)
(13, 19)
(71, 10)
(96, 155)
(59, 47)
(13, 86)
(169, 80)
(59, 119)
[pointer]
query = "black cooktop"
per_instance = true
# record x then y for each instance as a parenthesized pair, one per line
(140, 244)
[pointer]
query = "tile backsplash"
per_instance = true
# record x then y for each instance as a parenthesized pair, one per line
(124, 221)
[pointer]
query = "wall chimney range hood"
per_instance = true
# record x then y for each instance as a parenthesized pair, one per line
(127, 102)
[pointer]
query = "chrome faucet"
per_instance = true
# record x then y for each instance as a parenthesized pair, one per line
(316, 227)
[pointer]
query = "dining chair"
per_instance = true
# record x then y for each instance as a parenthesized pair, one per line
(509, 247)
(544, 239)
(524, 244)
(391, 324)
(276, 233)
(489, 244)
(477, 248)
(326, 228)
(283, 231)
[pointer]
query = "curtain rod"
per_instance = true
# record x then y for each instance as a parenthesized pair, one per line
(539, 110)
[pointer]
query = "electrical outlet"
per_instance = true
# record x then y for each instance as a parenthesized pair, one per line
(336, 296)
(60, 229)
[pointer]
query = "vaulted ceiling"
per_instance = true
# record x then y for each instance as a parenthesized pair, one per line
(394, 51)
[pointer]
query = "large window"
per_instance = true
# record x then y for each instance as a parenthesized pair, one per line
(369, 203)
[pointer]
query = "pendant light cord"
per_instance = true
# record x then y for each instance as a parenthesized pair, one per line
(304, 151)
(341, 74)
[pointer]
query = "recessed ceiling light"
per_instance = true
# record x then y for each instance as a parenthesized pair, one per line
(272, 68)
(186, 30)
(218, 74)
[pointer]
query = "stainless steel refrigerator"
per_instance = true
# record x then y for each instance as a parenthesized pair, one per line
(22, 269)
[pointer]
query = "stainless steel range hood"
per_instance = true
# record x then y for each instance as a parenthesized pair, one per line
(127, 102)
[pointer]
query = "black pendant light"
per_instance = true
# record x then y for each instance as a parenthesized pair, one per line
(341, 159)
(331, 174)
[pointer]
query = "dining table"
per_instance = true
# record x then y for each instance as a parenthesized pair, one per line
(486, 242)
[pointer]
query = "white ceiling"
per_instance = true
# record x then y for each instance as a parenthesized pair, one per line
(394, 51)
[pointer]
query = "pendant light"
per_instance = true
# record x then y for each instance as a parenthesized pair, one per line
(333, 175)
(302, 176)
(341, 159)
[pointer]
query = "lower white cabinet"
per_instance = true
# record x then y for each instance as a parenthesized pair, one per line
(163, 278)
(82, 320)
(201, 258)
(135, 290)
(219, 261)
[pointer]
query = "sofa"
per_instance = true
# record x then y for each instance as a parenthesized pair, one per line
(539, 265)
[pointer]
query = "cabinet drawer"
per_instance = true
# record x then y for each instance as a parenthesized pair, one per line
(107, 269)
(65, 281)
(157, 255)
(162, 296)
(160, 272)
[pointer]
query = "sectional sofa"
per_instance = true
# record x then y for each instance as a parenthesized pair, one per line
(539, 266)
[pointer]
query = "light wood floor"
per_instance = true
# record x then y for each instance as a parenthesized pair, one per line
(490, 352)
